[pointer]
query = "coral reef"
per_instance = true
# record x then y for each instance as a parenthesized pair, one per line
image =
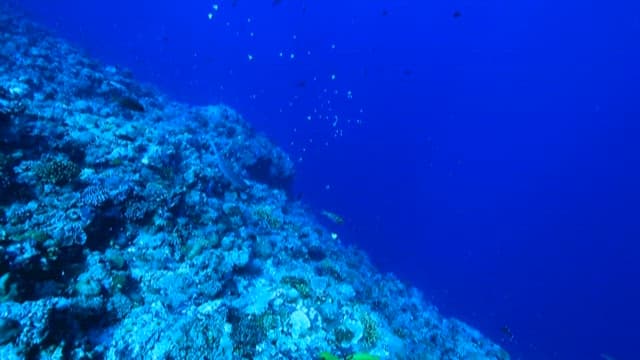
(132, 226)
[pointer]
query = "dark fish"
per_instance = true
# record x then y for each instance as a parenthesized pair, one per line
(301, 83)
(276, 2)
(130, 103)
(456, 14)
(384, 12)
(506, 331)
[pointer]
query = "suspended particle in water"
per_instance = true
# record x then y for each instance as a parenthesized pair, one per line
(215, 7)
(333, 77)
(210, 16)
(292, 56)
(250, 57)
(349, 94)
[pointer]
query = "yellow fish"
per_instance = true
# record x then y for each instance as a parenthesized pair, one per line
(362, 356)
(325, 355)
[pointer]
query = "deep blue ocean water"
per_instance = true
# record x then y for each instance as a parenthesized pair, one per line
(486, 152)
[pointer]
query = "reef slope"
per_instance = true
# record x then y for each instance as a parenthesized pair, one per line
(133, 227)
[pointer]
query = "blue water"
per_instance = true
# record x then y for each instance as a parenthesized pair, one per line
(485, 152)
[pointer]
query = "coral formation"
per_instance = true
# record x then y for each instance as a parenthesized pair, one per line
(132, 226)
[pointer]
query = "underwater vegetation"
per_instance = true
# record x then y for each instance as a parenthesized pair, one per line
(132, 226)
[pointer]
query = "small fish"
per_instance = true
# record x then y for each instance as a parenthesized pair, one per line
(362, 356)
(507, 332)
(456, 14)
(301, 83)
(333, 217)
(275, 2)
(130, 103)
(225, 168)
(384, 12)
